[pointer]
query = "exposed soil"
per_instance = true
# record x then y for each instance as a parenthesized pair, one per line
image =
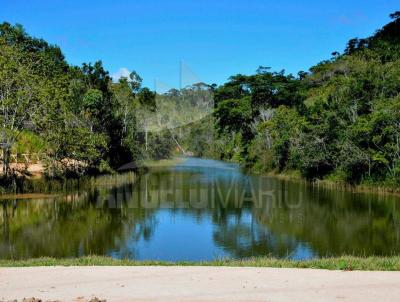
(198, 284)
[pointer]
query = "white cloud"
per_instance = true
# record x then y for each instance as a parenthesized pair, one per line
(122, 72)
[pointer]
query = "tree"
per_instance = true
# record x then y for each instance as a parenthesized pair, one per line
(92, 104)
(19, 91)
(286, 128)
(395, 15)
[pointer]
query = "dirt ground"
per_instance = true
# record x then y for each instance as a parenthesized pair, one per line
(160, 283)
(35, 170)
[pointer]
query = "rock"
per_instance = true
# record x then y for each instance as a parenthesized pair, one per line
(95, 299)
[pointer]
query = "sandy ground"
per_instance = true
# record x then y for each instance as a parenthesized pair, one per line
(197, 284)
(33, 169)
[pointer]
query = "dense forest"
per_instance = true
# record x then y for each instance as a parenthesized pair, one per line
(338, 121)
(76, 118)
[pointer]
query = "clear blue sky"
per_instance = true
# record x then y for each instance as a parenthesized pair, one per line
(216, 39)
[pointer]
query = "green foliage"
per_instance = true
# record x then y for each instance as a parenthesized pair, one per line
(285, 129)
(71, 114)
(104, 167)
(234, 114)
(339, 121)
(29, 142)
(160, 145)
(92, 101)
(199, 137)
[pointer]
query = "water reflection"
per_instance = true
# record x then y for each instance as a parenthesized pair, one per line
(200, 210)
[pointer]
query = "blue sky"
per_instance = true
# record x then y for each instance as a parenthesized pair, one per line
(215, 39)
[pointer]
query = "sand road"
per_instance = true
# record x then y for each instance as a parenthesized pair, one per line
(160, 283)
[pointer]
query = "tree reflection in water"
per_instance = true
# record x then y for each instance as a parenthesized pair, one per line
(200, 210)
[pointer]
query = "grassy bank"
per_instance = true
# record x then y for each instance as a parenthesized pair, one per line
(340, 263)
(333, 183)
(163, 162)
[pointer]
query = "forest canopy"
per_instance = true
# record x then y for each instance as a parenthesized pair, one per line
(339, 121)
(66, 113)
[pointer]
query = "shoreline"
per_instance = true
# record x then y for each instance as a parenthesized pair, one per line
(344, 263)
(288, 175)
(293, 175)
(331, 184)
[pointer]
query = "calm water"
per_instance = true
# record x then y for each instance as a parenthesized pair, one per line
(200, 210)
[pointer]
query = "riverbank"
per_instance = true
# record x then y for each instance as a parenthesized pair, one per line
(346, 263)
(194, 283)
(333, 183)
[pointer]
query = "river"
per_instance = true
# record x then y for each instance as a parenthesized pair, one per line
(200, 209)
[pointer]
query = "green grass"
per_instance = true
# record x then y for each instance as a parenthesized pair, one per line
(163, 162)
(336, 181)
(340, 263)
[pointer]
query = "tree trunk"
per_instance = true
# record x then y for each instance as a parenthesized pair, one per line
(145, 133)
(179, 146)
(6, 162)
